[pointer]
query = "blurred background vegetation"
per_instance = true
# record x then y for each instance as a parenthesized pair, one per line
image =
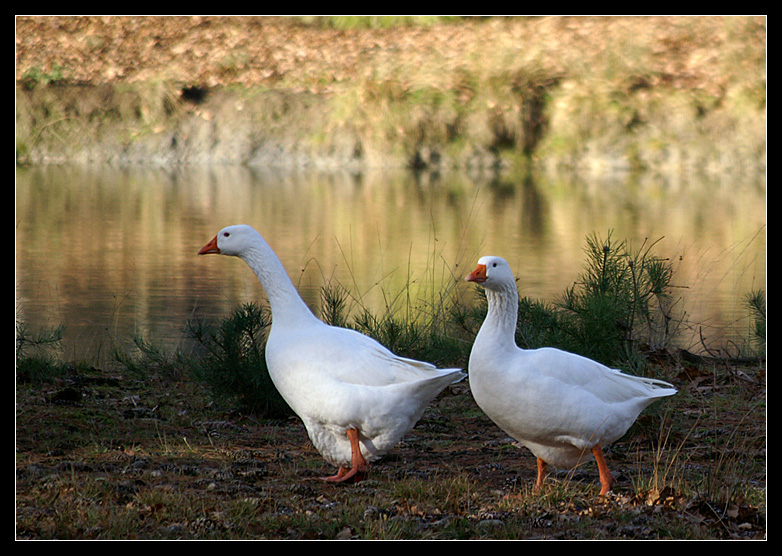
(663, 93)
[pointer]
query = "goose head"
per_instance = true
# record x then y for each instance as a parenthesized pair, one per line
(492, 273)
(233, 240)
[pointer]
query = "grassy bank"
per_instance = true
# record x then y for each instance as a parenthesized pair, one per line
(671, 95)
(148, 453)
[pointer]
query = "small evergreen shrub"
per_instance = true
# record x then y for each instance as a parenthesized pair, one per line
(233, 364)
(150, 360)
(620, 306)
(35, 360)
(757, 306)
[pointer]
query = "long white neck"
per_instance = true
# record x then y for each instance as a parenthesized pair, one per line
(499, 327)
(286, 304)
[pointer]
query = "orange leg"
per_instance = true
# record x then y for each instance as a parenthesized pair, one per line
(360, 466)
(605, 475)
(541, 474)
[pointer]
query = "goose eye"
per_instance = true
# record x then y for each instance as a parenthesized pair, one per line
(226, 234)
(494, 265)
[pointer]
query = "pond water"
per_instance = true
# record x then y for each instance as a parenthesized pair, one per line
(110, 253)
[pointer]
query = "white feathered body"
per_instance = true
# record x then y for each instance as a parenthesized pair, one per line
(556, 403)
(334, 378)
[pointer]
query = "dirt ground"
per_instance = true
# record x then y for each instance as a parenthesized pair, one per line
(99, 455)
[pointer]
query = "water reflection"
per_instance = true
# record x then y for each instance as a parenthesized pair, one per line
(112, 252)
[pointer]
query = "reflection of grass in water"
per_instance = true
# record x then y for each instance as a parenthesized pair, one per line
(619, 311)
(724, 328)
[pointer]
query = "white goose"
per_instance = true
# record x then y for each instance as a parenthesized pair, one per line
(562, 406)
(356, 398)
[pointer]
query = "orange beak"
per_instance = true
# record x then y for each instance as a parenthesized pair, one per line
(210, 247)
(478, 275)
